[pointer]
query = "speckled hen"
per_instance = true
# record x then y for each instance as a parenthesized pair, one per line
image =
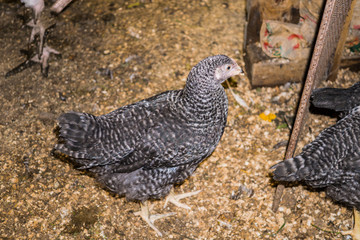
(141, 150)
(330, 162)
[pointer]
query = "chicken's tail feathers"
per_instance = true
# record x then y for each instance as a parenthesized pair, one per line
(290, 170)
(77, 132)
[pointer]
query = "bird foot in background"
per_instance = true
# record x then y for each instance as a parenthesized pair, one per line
(355, 232)
(175, 199)
(31, 61)
(44, 59)
(37, 7)
(37, 29)
(144, 213)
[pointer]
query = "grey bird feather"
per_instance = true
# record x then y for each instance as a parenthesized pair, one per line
(331, 162)
(141, 150)
(340, 100)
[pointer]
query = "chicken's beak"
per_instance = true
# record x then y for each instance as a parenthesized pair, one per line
(236, 70)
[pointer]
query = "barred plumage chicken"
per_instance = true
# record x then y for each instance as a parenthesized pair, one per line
(330, 162)
(141, 150)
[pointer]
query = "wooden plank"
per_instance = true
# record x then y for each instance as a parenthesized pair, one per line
(265, 71)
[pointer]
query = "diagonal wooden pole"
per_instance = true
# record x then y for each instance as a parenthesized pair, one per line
(331, 28)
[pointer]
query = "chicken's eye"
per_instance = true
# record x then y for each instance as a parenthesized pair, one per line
(228, 67)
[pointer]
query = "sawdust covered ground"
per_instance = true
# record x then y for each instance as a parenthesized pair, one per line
(150, 47)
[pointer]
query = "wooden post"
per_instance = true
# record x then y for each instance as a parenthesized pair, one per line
(340, 47)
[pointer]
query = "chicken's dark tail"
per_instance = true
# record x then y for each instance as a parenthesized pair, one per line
(290, 170)
(337, 99)
(331, 98)
(78, 134)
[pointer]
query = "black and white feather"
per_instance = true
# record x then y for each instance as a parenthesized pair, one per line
(141, 150)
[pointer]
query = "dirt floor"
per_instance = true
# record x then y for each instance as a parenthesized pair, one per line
(149, 47)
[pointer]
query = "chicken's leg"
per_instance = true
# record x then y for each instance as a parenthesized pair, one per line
(355, 232)
(174, 199)
(150, 219)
